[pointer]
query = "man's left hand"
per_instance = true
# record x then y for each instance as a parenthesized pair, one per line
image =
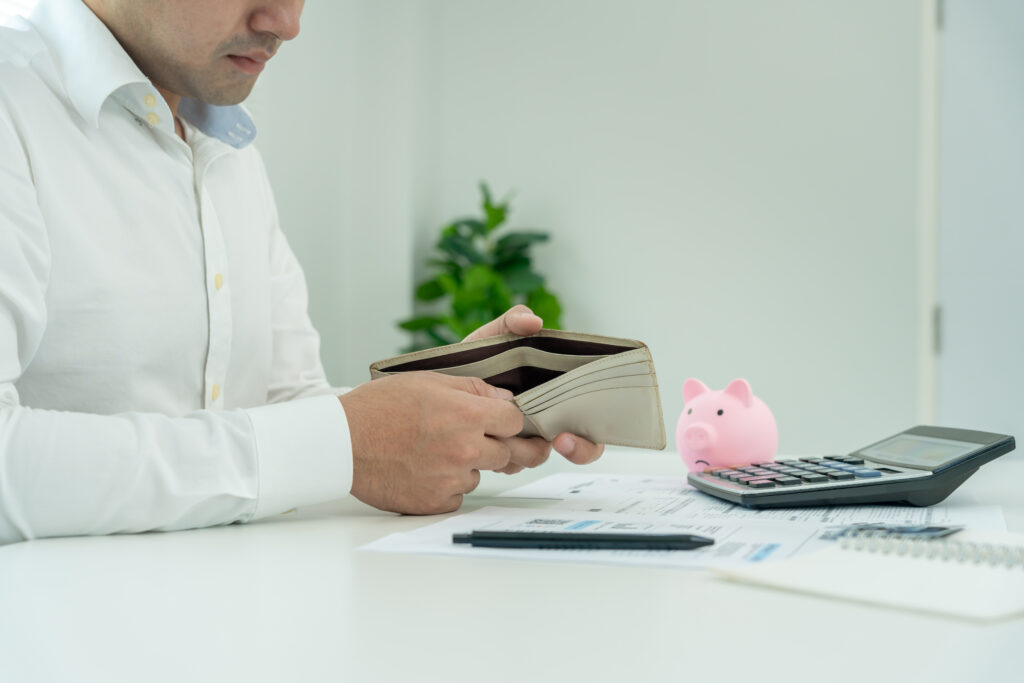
(533, 451)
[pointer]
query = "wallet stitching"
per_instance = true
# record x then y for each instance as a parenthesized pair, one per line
(611, 361)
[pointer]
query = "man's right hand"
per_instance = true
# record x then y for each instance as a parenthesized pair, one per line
(420, 439)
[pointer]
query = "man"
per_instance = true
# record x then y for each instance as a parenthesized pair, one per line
(157, 366)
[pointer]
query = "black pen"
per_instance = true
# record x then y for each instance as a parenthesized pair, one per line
(567, 540)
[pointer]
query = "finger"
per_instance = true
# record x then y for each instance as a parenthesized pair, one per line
(499, 417)
(502, 419)
(512, 468)
(576, 449)
(492, 454)
(517, 320)
(475, 386)
(472, 482)
(528, 452)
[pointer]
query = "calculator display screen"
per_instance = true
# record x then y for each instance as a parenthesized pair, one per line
(918, 451)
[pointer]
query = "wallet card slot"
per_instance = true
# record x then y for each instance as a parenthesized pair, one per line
(523, 378)
(625, 416)
(559, 388)
(629, 382)
(553, 345)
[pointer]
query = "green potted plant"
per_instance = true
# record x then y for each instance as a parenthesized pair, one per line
(480, 272)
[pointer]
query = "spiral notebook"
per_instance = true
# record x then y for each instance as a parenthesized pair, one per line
(970, 575)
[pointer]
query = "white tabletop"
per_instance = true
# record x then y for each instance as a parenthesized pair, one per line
(291, 599)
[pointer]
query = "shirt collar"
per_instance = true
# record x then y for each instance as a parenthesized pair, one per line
(93, 66)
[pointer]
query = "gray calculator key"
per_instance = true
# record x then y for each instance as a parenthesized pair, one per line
(840, 476)
(813, 478)
(790, 481)
(760, 484)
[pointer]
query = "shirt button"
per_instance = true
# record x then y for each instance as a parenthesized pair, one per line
(218, 281)
(152, 118)
(149, 100)
(215, 392)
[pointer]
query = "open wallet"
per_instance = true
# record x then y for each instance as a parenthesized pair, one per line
(601, 388)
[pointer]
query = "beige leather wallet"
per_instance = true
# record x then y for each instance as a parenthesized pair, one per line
(602, 388)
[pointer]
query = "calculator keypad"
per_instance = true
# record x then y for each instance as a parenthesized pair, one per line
(804, 471)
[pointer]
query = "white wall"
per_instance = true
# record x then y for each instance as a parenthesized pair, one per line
(336, 119)
(981, 367)
(735, 183)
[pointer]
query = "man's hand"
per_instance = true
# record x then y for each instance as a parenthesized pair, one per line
(420, 439)
(522, 321)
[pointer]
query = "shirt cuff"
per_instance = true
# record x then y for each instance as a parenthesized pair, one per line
(304, 453)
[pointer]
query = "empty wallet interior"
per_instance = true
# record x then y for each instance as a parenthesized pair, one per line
(518, 364)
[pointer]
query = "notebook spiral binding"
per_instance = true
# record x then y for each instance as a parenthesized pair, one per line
(963, 552)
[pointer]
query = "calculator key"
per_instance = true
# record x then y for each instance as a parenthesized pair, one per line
(747, 470)
(814, 460)
(760, 484)
(853, 460)
(791, 481)
(813, 478)
(840, 476)
(867, 473)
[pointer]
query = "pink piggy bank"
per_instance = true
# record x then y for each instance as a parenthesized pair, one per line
(724, 428)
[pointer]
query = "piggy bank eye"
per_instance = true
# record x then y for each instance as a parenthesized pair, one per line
(720, 411)
(690, 411)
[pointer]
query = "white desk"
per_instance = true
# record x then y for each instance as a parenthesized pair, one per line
(289, 599)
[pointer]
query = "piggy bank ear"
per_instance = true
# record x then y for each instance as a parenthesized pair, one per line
(740, 389)
(692, 388)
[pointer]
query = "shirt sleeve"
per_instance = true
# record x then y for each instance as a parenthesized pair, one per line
(296, 368)
(65, 473)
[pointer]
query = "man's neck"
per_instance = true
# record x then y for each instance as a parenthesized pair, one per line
(173, 100)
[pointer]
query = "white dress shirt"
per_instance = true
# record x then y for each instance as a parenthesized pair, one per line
(158, 369)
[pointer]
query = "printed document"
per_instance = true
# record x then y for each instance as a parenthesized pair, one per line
(653, 504)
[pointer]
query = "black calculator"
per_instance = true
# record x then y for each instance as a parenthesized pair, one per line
(920, 466)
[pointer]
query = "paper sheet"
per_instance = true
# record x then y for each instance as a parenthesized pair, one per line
(735, 540)
(673, 498)
(653, 504)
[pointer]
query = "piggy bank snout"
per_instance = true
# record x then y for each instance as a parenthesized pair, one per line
(699, 437)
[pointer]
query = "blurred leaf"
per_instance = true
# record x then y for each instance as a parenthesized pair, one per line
(519, 240)
(514, 261)
(448, 283)
(430, 290)
(522, 280)
(545, 304)
(459, 245)
(473, 226)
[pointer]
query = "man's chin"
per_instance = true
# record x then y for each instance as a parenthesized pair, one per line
(227, 95)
